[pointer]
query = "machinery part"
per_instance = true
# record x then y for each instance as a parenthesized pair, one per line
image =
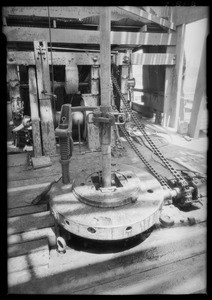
(102, 117)
(22, 134)
(124, 189)
(61, 244)
(131, 83)
(104, 223)
(185, 190)
(191, 221)
(166, 220)
(111, 118)
(63, 131)
(71, 78)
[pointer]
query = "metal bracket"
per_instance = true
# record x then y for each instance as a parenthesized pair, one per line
(41, 51)
(64, 128)
(111, 118)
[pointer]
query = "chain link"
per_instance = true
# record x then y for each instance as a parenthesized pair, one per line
(140, 126)
(152, 170)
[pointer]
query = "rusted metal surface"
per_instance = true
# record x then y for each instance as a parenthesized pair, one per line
(106, 223)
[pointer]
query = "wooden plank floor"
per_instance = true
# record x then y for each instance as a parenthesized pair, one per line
(169, 260)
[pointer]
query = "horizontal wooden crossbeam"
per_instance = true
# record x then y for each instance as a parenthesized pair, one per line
(149, 58)
(61, 58)
(80, 12)
(26, 34)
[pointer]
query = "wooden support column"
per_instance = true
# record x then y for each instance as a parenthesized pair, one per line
(199, 97)
(105, 55)
(168, 90)
(14, 90)
(44, 90)
(173, 82)
(34, 113)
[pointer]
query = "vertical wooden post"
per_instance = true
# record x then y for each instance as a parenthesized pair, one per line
(199, 97)
(168, 90)
(34, 113)
(43, 80)
(174, 77)
(105, 55)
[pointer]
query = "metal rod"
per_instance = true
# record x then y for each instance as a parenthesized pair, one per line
(79, 136)
(79, 49)
(105, 57)
(52, 67)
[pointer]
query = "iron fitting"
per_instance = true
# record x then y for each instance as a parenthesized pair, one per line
(64, 133)
(64, 161)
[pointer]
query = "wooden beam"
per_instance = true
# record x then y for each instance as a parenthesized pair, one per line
(79, 12)
(173, 82)
(43, 81)
(59, 58)
(33, 97)
(57, 12)
(168, 90)
(149, 59)
(14, 88)
(145, 16)
(30, 34)
(29, 222)
(199, 97)
(189, 14)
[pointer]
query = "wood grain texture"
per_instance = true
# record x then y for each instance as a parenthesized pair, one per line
(37, 148)
(87, 37)
(59, 58)
(151, 264)
(29, 222)
(46, 114)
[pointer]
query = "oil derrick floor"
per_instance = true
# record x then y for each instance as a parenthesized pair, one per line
(160, 261)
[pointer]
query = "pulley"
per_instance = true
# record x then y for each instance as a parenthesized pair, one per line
(71, 78)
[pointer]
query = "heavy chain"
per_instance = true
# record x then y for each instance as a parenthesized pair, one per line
(152, 170)
(183, 183)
